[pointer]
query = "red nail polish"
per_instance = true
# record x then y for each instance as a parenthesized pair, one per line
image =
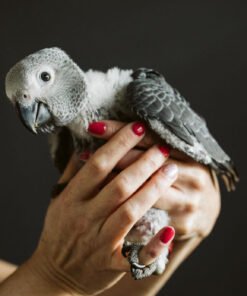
(84, 155)
(97, 128)
(167, 235)
(165, 150)
(138, 128)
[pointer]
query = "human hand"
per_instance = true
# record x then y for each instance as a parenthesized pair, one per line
(189, 219)
(80, 246)
(193, 201)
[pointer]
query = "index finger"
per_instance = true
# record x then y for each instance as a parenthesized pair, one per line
(108, 128)
(138, 204)
(102, 162)
(111, 127)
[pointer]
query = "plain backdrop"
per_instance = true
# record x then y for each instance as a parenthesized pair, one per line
(200, 47)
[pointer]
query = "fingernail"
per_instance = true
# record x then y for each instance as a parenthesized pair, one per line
(138, 128)
(97, 128)
(84, 156)
(167, 235)
(165, 150)
(170, 170)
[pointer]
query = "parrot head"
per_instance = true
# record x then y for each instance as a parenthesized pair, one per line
(47, 88)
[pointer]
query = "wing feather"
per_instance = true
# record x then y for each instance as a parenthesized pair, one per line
(156, 102)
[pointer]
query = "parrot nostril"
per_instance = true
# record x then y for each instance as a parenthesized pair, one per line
(24, 96)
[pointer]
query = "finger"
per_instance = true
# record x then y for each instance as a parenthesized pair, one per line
(108, 128)
(192, 175)
(135, 207)
(102, 162)
(126, 161)
(70, 170)
(68, 173)
(108, 179)
(127, 182)
(149, 253)
(183, 195)
(173, 200)
(129, 158)
(105, 129)
(188, 173)
(184, 224)
(155, 247)
(134, 154)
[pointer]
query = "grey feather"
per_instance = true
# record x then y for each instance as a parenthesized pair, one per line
(162, 106)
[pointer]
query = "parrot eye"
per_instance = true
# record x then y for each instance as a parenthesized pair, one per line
(45, 76)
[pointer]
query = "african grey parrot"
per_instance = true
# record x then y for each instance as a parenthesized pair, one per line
(53, 95)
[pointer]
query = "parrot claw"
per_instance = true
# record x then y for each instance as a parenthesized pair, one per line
(138, 271)
(126, 249)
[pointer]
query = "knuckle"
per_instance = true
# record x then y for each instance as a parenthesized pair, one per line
(124, 141)
(81, 225)
(129, 214)
(152, 163)
(156, 188)
(152, 254)
(123, 186)
(200, 182)
(187, 227)
(147, 166)
(192, 205)
(98, 165)
(111, 129)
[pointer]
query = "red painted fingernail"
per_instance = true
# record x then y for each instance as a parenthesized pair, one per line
(138, 128)
(97, 128)
(84, 156)
(167, 235)
(165, 150)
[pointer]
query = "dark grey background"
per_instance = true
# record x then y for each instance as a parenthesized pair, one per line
(200, 46)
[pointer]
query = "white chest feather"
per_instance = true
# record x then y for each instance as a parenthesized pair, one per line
(105, 92)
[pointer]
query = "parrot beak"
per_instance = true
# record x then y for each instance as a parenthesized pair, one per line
(33, 116)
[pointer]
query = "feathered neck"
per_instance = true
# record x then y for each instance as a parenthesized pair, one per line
(103, 87)
(103, 90)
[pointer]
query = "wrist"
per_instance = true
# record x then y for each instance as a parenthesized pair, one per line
(51, 276)
(35, 278)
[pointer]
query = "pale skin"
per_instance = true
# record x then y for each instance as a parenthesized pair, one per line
(191, 197)
(193, 203)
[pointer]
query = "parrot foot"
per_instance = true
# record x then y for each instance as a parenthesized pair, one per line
(138, 271)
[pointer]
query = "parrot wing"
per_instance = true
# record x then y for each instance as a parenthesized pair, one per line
(170, 116)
